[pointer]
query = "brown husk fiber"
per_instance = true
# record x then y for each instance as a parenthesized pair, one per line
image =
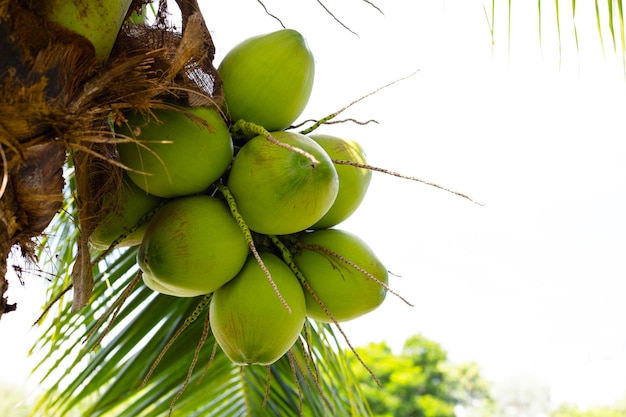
(57, 103)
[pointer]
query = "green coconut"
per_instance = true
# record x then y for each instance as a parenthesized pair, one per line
(353, 181)
(249, 321)
(178, 153)
(98, 21)
(346, 291)
(122, 221)
(280, 191)
(192, 246)
(268, 79)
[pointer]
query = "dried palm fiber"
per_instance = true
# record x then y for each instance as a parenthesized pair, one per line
(57, 101)
(41, 68)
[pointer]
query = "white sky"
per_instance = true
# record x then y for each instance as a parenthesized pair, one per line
(532, 283)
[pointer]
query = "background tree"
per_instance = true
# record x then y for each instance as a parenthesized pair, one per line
(419, 381)
(570, 410)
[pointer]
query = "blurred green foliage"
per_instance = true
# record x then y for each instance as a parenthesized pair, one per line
(570, 410)
(13, 402)
(419, 381)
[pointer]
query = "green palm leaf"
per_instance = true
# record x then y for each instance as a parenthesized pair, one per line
(609, 18)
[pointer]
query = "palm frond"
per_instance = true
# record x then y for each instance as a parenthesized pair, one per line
(615, 24)
(608, 16)
(490, 18)
(574, 23)
(599, 25)
(620, 9)
(558, 29)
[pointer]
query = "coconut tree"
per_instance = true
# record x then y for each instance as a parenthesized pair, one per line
(111, 345)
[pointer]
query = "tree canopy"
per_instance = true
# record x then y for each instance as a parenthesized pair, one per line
(570, 410)
(420, 381)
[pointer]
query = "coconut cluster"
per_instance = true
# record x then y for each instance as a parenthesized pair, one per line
(230, 201)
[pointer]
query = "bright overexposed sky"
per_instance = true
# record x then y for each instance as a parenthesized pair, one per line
(530, 284)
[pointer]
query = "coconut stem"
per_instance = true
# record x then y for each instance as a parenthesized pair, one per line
(351, 264)
(232, 204)
(251, 129)
(192, 366)
(309, 363)
(293, 364)
(288, 259)
(115, 309)
(328, 118)
(406, 177)
(193, 317)
(211, 358)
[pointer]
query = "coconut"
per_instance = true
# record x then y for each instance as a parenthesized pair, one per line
(344, 273)
(122, 223)
(268, 79)
(192, 246)
(281, 191)
(249, 321)
(181, 152)
(353, 181)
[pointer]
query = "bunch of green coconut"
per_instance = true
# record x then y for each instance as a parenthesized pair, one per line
(232, 203)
